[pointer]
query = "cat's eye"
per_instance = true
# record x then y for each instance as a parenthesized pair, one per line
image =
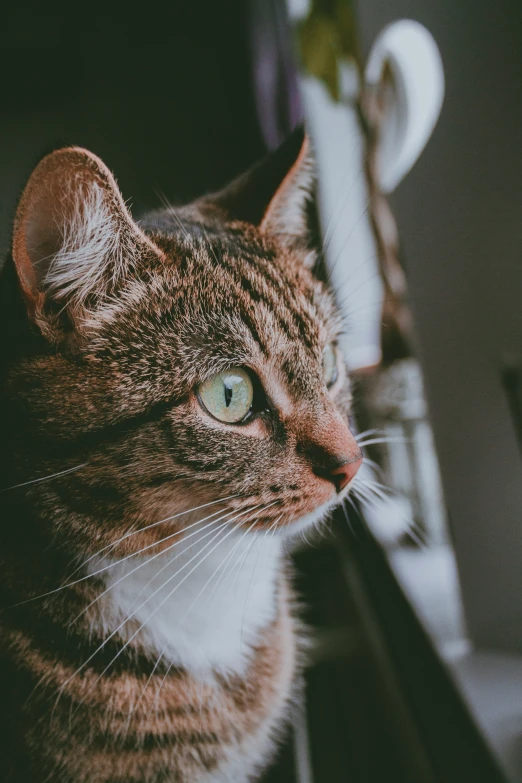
(228, 396)
(330, 365)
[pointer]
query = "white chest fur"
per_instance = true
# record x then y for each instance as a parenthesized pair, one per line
(200, 606)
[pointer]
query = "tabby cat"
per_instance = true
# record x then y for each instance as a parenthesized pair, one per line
(173, 408)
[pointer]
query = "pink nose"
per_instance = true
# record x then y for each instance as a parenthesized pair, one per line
(343, 474)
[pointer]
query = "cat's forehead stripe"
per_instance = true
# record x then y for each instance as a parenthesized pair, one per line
(260, 280)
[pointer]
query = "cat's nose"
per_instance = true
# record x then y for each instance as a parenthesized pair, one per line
(343, 474)
(330, 448)
(340, 472)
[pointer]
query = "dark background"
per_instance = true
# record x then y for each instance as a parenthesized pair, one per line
(162, 94)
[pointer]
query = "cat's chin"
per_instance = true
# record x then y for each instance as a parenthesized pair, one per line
(313, 519)
(297, 526)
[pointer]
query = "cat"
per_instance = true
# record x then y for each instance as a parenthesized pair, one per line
(174, 407)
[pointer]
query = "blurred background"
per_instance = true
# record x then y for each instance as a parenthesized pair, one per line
(415, 597)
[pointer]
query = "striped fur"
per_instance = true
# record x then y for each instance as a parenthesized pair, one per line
(149, 633)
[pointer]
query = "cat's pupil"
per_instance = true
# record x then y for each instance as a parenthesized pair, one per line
(228, 393)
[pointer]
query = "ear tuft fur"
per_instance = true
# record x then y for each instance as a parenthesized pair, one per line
(93, 255)
(74, 239)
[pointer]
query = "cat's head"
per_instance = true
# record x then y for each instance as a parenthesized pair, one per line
(183, 360)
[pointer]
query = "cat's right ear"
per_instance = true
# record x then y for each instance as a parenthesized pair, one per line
(273, 194)
(74, 239)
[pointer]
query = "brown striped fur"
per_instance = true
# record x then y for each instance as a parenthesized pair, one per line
(103, 346)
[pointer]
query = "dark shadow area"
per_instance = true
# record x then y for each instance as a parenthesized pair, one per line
(164, 98)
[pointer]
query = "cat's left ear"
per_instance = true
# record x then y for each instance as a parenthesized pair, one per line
(74, 239)
(273, 195)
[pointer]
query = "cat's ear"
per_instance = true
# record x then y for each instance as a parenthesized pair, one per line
(273, 195)
(74, 239)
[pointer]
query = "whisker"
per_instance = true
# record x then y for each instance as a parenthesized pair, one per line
(223, 562)
(158, 607)
(418, 539)
(242, 560)
(153, 557)
(370, 463)
(351, 293)
(353, 272)
(239, 566)
(44, 478)
(347, 516)
(368, 489)
(340, 207)
(127, 557)
(159, 689)
(251, 585)
(233, 566)
(366, 481)
(240, 556)
(248, 510)
(360, 486)
(123, 623)
(175, 215)
(136, 705)
(249, 591)
(367, 433)
(209, 243)
(391, 439)
(171, 210)
(154, 524)
(367, 305)
(347, 238)
(155, 592)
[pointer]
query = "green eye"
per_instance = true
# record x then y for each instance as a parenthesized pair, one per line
(330, 365)
(228, 395)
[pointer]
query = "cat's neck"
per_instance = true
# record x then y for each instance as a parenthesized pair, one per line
(202, 607)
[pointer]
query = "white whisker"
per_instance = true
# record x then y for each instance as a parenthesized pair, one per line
(155, 592)
(370, 463)
(44, 478)
(135, 706)
(374, 431)
(156, 609)
(248, 510)
(127, 557)
(153, 557)
(347, 516)
(391, 439)
(154, 524)
(213, 575)
(369, 489)
(251, 584)
(242, 560)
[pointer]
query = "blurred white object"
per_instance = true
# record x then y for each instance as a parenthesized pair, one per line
(413, 100)
(349, 242)
(410, 53)
(298, 9)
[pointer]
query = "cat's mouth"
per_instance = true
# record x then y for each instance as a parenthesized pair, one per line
(300, 508)
(300, 522)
